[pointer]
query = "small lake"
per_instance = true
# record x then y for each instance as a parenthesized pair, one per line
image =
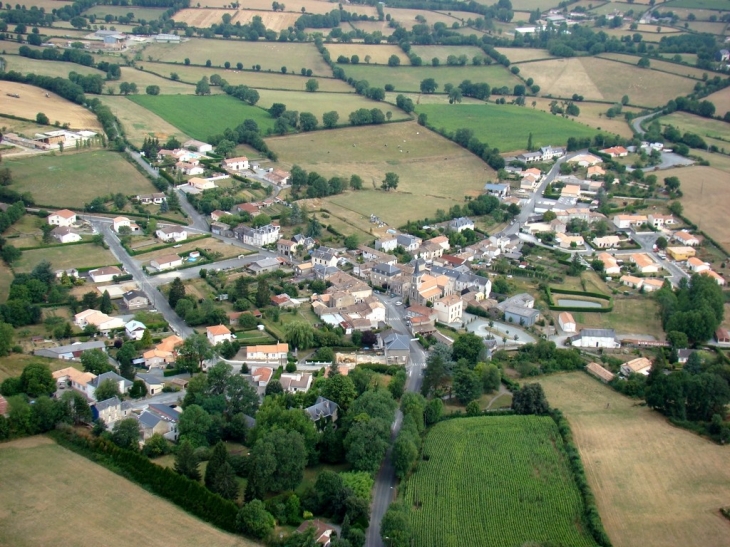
(578, 303)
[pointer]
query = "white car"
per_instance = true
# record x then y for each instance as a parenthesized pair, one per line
(399, 303)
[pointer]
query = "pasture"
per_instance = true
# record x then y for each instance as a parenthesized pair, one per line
(519, 54)
(66, 257)
(592, 114)
(49, 493)
(48, 5)
(150, 14)
(427, 53)
(637, 465)
(373, 26)
(34, 100)
(378, 54)
(408, 78)
(143, 78)
(13, 364)
(270, 55)
(506, 127)
(713, 131)
(54, 69)
(421, 158)
(310, 6)
(319, 103)
(407, 17)
(74, 178)
(707, 198)
(499, 481)
(721, 100)
(664, 66)
(258, 80)
(210, 115)
(705, 26)
(605, 80)
(138, 122)
(699, 4)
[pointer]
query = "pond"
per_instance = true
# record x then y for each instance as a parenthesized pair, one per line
(578, 303)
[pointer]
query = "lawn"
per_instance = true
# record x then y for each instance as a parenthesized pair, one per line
(630, 315)
(499, 481)
(506, 127)
(637, 465)
(74, 178)
(408, 78)
(602, 79)
(270, 55)
(712, 131)
(66, 257)
(319, 103)
(201, 117)
(421, 158)
(139, 123)
(49, 493)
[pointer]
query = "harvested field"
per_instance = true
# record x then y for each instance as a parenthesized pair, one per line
(379, 54)
(721, 100)
(74, 178)
(705, 26)
(138, 122)
(442, 53)
(605, 80)
(418, 156)
(270, 55)
(48, 5)
(662, 29)
(258, 80)
(310, 6)
(34, 100)
(65, 257)
(150, 14)
(209, 244)
(636, 464)
(714, 132)
(204, 18)
(674, 68)
(700, 14)
(518, 54)
(506, 127)
(319, 103)
(407, 17)
(592, 114)
(706, 199)
(40, 481)
(408, 78)
(216, 113)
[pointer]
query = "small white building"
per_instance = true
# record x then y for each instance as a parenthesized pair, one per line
(199, 146)
(386, 243)
(105, 274)
(172, 233)
(235, 164)
(566, 322)
(64, 217)
(134, 330)
(217, 334)
(63, 234)
(166, 262)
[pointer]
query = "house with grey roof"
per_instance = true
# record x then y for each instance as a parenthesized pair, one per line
(152, 382)
(397, 348)
(383, 274)
(123, 384)
(323, 409)
(408, 242)
(71, 351)
(460, 224)
(264, 265)
(595, 338)
(525, 317)
(160, 420)
(498, 190)
(110, 411)
(135, 300)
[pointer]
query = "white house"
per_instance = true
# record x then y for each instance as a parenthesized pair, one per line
(261, 376)
(409, 242)
(296, 381)
(270, 352)
(685, 238)
(101, 321)
(65, 235)
(135, 330)
(218, 334)
(387, 243)
(460, 224)
(235, 164)
(606, 242)
(549, 153)
(697, 265)
(191, 168)
(595, 338)
(166, 262)
(199, 184)
(123, 384)
(172, 233)
(566, 322)
(449, 309)
(64, 217)
(610, 265)
(259, 237)
(200, 146)
(644, 263)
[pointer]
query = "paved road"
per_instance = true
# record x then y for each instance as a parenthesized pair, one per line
(199, 222)
(151, 171)
(385, 482)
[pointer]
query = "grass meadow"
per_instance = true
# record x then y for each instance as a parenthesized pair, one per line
(74, 178)
(630, 315)
(506, 127)
(499, 481)
(64, 257)
(442, 52)
(664, 66)
(150, 14)
(13, 364)
(713, 131)
(721, 100)
(379, 54)
(138, 122)
(636, 464)
(698, 4)
(270, 55)
(408, 78)
(50, 492)
(201, 117)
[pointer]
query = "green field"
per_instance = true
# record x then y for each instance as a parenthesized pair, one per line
(73, 179)
(65, 257)
(149, 14)
(506, 127)
(502, 481)
(713, 131)
(698, 4)
(408, 78)
(201, 117)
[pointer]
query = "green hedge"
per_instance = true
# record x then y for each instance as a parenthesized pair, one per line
(187, 494)
(54, 245)
(578, 309)
(592, 517)
(165, 246)
(390, 370)
(173, 372)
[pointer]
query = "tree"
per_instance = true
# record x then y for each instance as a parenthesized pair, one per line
(254, 520)
(106, 303)
(530, 399)
(405, 452)
(467, 385)
(7, 334)
(152, 90)
(428, 85)
(308, 121)
(177, 291)
(643, 63)
(195, 423)
(395, 527)
(219, 475)
(42, 119)
(676, 208)
(195, 350)
(312, 85)
(95, 361)
(661, 243)
(468, 346)
(366, 443)
(341, 390)
(390, 182)
(79, 409)
(106, 390)
(351, 243)
(490, 376)
(433, 411)
(393, 60)
(186, 462)
(299, 334)
(277, 462)
(263, 293)
(597, 265)
(202, 87)
(330, 119)
(36, 380)
(672, 183)
(125, 434)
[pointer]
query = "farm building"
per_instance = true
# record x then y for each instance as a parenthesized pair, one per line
(566, 322)
(595, 338)
(680, 254)
(199, 146)
(599, 372)
(640, 365)
(72, 351)
(521, 316)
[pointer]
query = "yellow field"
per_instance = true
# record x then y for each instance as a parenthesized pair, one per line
(681, 70)
(706, 199)
(721, 100)
(138, 122)
(379, 54)
(310, 6)
(592, 114)
(49, 493)
(655, 485)
(605, 80)
(34, 100)
(48, 5)
(518, 54)
(204, 18)
(407, 17)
